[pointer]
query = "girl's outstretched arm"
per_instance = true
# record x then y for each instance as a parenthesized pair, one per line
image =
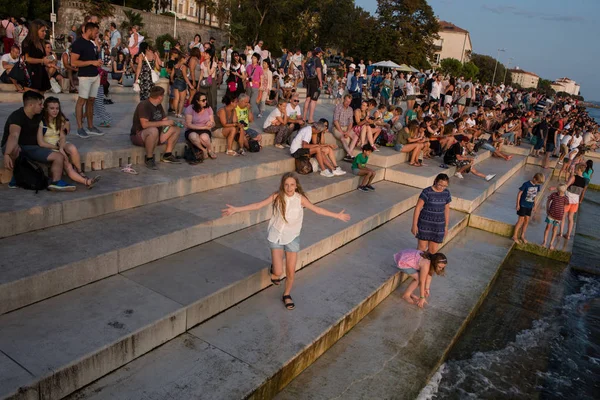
(342, 215)
(230, 210)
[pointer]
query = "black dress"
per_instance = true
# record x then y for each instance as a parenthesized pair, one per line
(37, 72)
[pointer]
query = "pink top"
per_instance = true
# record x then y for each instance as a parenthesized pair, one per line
(408, 259)
(202, 118)
(255, 72)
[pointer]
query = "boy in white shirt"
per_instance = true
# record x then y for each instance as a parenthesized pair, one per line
(324, 153)
(294, 113)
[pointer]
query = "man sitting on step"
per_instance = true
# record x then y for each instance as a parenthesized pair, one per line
(20, 137)
(151, 127)
(324, 153)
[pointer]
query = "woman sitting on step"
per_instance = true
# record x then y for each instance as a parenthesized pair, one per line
(284, 228)
(420, 266)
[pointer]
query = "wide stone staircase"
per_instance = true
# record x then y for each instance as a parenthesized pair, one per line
(140, 289)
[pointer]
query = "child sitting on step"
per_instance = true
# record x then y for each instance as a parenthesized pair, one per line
(526, 204)
(52, 134)
(420, 266)
(555, 210)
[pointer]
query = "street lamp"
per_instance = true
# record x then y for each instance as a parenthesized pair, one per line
(506, 70)
(496, 67)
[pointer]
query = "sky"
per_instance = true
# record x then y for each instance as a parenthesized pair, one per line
(552, 38)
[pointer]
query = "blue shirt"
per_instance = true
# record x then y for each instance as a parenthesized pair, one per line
(370, 69)
(530, 191)
(114, 37)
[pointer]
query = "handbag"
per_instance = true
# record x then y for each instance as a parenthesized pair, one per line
(153, 73)
(55, 86)
(303, 166)
(128, 80)
(20, 74)
(232, 86)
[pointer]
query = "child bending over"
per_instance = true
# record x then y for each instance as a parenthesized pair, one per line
(420, 266)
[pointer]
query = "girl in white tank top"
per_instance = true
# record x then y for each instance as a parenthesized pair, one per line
(284, 228)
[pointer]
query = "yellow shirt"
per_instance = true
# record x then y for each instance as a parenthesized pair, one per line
(51, 134)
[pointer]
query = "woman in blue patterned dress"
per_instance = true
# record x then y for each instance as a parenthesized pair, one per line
(432, 215)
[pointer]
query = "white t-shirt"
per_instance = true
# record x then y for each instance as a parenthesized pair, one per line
(471, 123)
(362, 67)
(304, 136)
(576, 142)
(297, 60)
(565, 139)
(8, 59)
(293, 112)
(272, 117)
(436, 90)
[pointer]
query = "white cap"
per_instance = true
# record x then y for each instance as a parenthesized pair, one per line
(352, 66)
(377, 70)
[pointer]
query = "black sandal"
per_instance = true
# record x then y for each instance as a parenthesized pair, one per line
(289, 306)
(276, 282)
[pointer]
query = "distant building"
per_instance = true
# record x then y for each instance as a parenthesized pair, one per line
(566, 85)
(192, 11)
(454, 42)
(524, 78)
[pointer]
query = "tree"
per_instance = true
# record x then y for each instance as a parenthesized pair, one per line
(416, 25)
(486, 65)
(99, 8)
(545, 87)
(470, 70)
(30, 9)
(451, 66)
(133, 19)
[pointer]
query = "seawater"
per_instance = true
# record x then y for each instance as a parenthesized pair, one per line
(594, 113)
(537, 333)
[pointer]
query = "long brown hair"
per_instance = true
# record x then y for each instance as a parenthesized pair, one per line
(435, 260)
(33, 39)
(279, 201)
(60, 118)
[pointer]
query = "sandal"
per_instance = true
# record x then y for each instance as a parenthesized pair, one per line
(279, 146)
(231, 153)
(289, 306)
(128, 170)
(212, 154)
(93, 181)
(274, 281)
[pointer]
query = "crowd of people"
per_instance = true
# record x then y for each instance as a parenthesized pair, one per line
(426, 115)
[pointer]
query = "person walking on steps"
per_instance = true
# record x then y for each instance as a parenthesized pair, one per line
(283, 233)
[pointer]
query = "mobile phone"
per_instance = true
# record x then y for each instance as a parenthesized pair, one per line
(51, 58)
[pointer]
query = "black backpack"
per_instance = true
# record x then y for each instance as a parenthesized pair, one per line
(28, 175)
(253, 146)
(193, 155)
(310, 68)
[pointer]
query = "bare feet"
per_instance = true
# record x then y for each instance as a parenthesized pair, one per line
(524, 240)
(551, 247)
(414, 297)
(408, 299)
(544, 244)
(516, 240)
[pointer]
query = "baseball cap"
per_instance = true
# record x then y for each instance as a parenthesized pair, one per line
(352, 66)
(377, 70)
(318, 50)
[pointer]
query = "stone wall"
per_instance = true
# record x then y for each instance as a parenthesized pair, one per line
(72, 13)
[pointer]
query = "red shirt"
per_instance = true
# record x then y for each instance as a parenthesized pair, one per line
(557, 206)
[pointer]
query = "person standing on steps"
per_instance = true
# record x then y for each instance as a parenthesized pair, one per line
(420, 266)
(84, 56)
(313, 73)
(432, 215)
(555, 210)
(526, 205)
(284, 228)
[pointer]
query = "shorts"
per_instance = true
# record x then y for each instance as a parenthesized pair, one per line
(462, 101)
(251, 133)
(524, 212)
(198, 131)
(552, 221)
(550, 147)
(398, 147)
(291, 247)
(4, 78)
(411, 97)
(36, 153)
(564, 149)
(468, 102)
(356, 171)
(137, 139)
(572, 207)
(88, 86)
(179, 85)
(312, 89)
(409, 271)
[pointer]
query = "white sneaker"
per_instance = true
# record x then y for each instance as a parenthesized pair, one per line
(338, 171)
(327, 173)
(459, 175)
(490, 177)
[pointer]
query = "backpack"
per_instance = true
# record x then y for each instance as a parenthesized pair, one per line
(29, 175)
(193, 155)
(310, 68)
(253, 146)
(303, 166)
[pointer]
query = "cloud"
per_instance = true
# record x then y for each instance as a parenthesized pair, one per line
(532, 14)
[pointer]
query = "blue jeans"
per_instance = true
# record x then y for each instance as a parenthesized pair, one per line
(488, 146)
(510, 136)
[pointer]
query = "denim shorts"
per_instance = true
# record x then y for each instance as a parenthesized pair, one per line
(409, 271)
(356, 171)
(291, 247)
(552, 221)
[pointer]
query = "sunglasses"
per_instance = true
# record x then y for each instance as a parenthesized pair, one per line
(295, 101)
(203, 100)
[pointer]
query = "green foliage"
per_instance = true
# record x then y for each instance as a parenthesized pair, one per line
(486, 65)
(133, 18)
(162, 39)
(100, 8)
(416, 26)
(470, 70)
(451, 66)
(30, 9)
(544, 86)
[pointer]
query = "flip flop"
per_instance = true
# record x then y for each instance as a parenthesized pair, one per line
(128, 170)
(93, 182)
(289, 306)
(276, 282)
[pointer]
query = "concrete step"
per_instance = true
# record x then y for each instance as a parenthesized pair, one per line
(470, 192)
(396, 348)
(23, 211)
(259, 345)
(386, 157)
(424, 176)
(498, 215)
(70, 340)
(116, 242)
